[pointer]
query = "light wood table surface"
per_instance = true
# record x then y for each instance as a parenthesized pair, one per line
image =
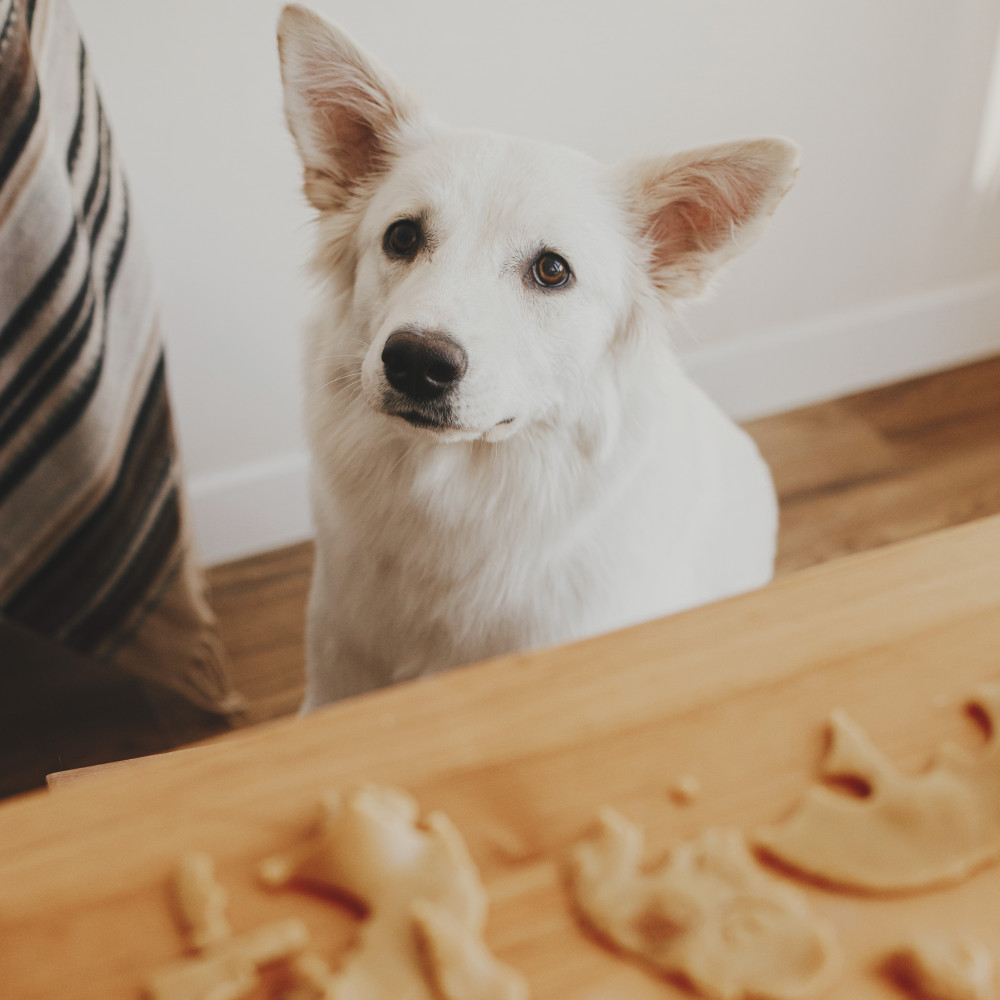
(520, 753)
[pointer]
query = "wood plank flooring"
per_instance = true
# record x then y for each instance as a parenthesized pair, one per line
(261, 606)
(852, 474)
(885, 465)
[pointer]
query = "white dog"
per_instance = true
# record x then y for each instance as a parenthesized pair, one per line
(506, 453)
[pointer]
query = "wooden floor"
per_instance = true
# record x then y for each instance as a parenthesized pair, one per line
(261, 605)
(885, 465)
(852, 475)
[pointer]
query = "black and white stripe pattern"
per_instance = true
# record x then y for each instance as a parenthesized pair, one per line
(93, 543)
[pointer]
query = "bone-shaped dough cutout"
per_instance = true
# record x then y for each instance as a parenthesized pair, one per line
(710, 915)
(226, 966)
(425, 906)
(906, 832)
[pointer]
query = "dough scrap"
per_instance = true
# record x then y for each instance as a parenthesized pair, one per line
(935, 968)
(907, 832)
(710, 914)
(226, 966)
(201, 901)
(425, 906)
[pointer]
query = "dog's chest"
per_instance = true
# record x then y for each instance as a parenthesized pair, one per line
(497, 556)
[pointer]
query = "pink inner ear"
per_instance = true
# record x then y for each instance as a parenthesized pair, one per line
(703, 209)
(358, 149)
(351, 125)
(677, 230)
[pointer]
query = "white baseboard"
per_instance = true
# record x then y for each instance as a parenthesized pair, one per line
(266, 505)
(822, 359)
(251, 509)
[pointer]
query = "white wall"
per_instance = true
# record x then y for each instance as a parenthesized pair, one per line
(884, 261)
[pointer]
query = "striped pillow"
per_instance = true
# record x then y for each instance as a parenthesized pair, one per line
(94, 544)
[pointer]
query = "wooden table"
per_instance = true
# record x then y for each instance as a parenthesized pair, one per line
(520, 752)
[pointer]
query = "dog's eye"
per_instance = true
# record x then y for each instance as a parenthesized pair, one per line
(402, 238)
(550, 271)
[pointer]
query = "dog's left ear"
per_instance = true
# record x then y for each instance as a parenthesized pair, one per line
(345, 114)
(696, 210)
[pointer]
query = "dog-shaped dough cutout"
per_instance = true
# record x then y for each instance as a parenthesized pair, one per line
(902, 832)
(424, 903)
(710, 915)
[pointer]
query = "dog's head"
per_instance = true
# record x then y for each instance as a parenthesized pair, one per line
(486, 279)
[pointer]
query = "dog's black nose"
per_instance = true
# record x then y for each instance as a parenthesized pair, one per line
(424, 366)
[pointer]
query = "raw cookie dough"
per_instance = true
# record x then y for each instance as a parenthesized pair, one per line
(226, 967)
(425, 906)
(201, 901)
(903, 832)
(710, 914)
(942, 969)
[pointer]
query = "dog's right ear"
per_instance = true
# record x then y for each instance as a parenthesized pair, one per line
(345, 114)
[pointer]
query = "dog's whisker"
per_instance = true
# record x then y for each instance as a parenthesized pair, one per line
(350, 381)
(343, 372)
(342, 378)
(358, 358)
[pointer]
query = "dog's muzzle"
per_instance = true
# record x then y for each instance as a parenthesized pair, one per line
(423, 366)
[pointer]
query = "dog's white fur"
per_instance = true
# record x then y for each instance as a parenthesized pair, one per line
(585, 482)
